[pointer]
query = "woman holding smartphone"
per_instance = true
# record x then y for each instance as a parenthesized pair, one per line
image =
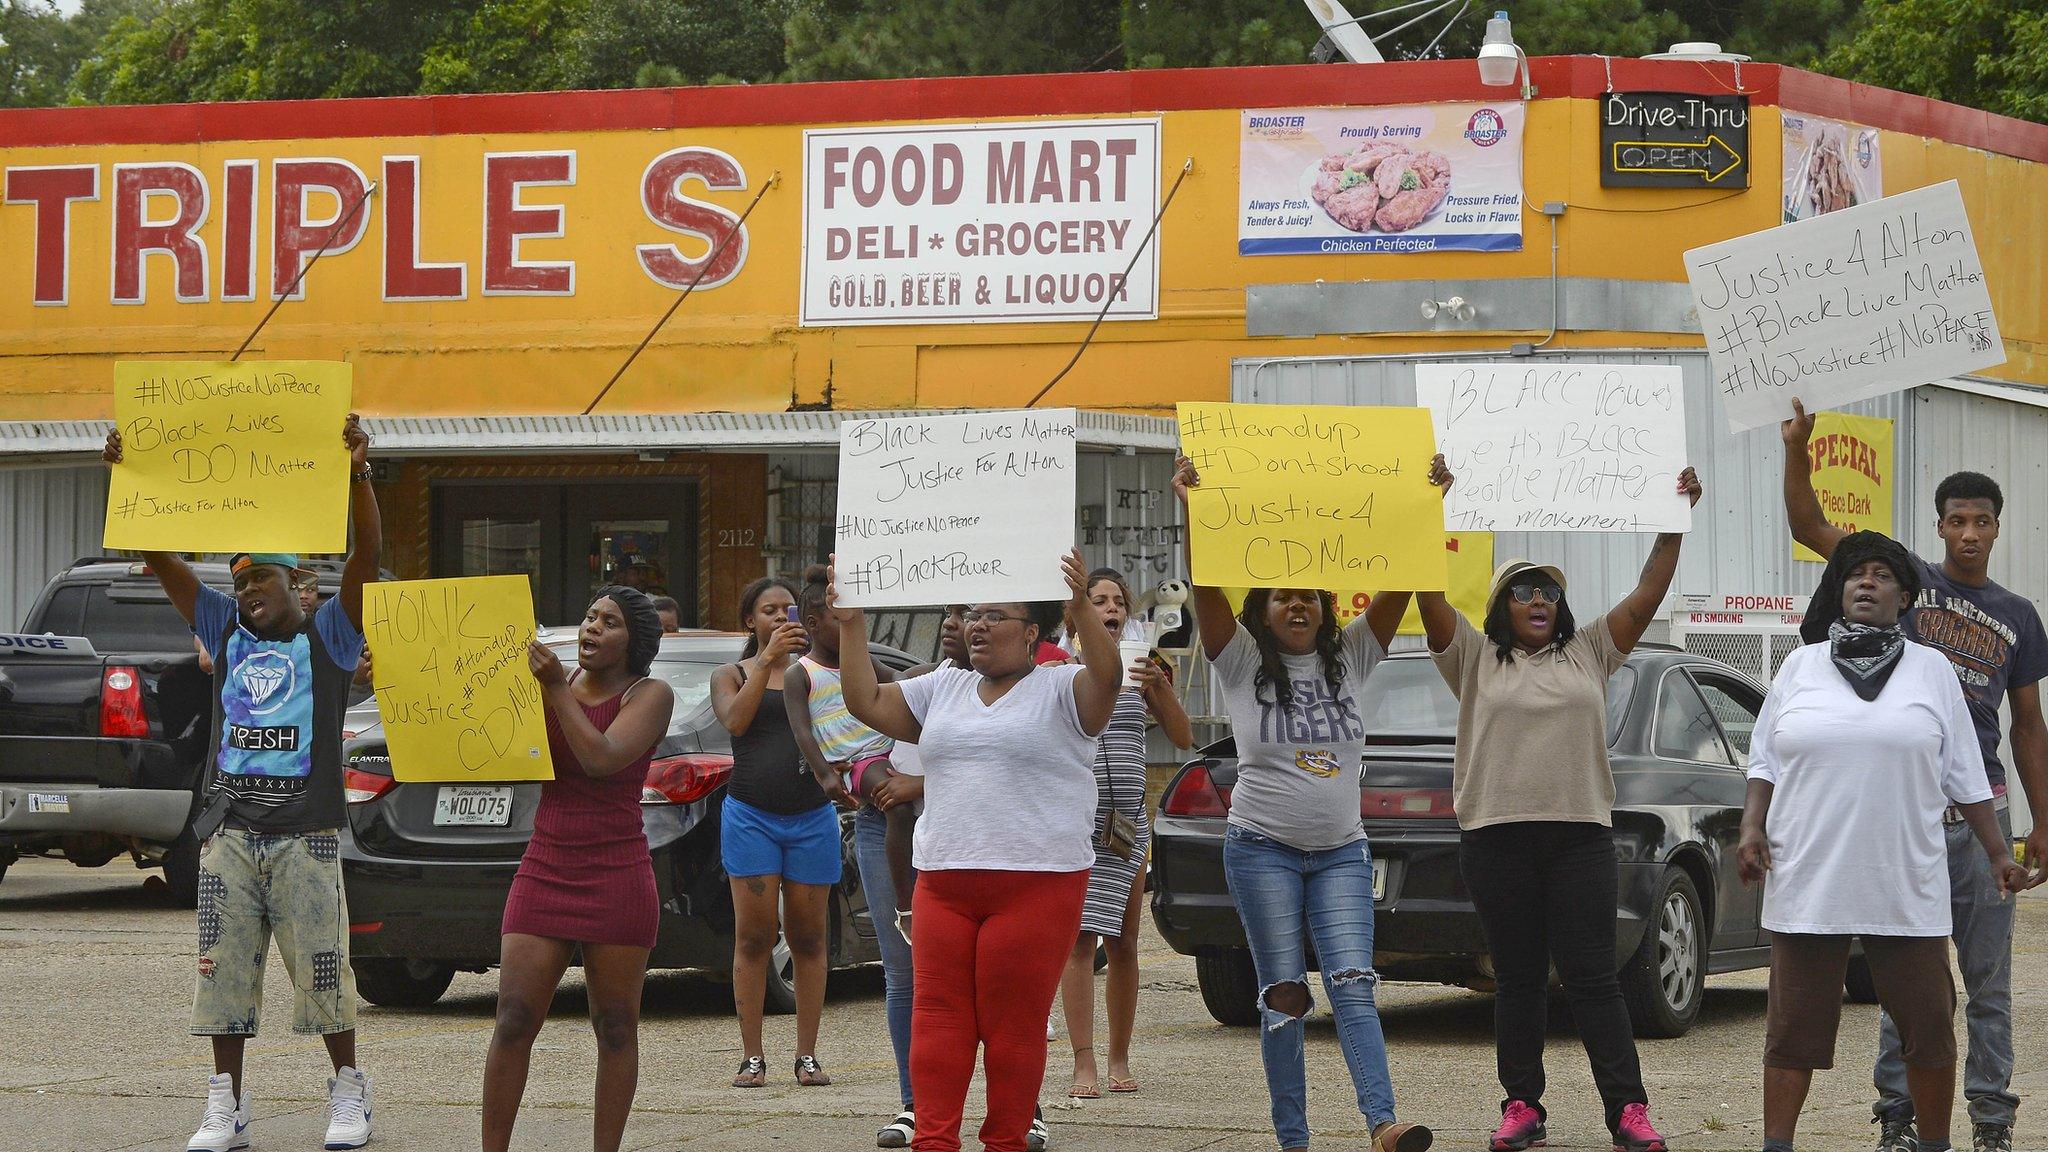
(779, 833)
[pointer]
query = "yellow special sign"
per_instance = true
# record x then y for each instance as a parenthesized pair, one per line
(453, 689)
(221, 457)
(1313, 497)
(1852, 473)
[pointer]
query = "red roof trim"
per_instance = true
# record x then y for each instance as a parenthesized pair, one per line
(1091, 93)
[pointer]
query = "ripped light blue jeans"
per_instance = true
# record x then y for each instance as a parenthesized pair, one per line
(1283, 894)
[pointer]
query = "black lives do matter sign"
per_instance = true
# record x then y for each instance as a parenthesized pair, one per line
(1673, 140)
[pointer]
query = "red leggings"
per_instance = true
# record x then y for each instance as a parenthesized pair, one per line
(988, 951)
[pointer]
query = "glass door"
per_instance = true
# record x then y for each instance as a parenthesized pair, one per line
(503, 529)
(643, 536)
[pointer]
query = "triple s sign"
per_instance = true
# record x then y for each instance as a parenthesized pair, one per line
(1742, 610)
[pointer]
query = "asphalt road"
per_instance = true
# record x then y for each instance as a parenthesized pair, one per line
(95, 996)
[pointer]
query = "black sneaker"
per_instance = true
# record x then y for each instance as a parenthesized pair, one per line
(1991, 1138)
(1896, 1134)
(1038, 1137)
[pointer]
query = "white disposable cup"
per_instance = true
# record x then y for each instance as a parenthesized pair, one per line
(1132, 651)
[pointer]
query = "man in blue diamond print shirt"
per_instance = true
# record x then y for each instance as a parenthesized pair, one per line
(273, 809)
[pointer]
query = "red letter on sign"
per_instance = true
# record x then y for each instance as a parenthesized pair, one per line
(661, 194)
(405, 278)
(136, 235)
(506, 220)
(238, 231)
(52, 190)
(293, 237)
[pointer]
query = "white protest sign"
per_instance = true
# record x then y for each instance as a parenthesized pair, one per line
(970, 223)
(1560, 447)
(1844, 306)
(962, 509)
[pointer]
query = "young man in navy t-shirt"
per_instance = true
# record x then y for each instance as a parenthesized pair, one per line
(1994, 639)
(273, 807)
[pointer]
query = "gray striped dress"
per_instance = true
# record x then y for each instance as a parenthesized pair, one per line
(1119, 756)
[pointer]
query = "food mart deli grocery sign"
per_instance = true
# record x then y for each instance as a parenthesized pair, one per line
(604, 219)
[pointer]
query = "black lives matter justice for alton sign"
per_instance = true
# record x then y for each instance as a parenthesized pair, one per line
(1673, 140)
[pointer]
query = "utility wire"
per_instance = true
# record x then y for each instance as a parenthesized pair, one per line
(340, 226)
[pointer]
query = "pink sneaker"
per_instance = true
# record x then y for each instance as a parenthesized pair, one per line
(1521, 1126)
(1634, 1134)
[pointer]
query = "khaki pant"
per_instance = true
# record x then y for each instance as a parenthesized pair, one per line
(253, 885)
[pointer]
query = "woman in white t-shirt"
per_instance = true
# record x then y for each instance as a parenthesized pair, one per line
(1862, 745)
(1002, 850)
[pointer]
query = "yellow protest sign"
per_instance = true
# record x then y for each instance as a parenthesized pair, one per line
(1313, 497)
(220, 457)
(1471, 568)
(1852, 473)
(457, 701)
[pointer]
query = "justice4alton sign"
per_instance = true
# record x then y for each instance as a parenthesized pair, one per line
(963, 223)
(1434, 178)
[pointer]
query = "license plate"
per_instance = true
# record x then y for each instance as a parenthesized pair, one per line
(1379, 882)
(49, 802)
(489, 807)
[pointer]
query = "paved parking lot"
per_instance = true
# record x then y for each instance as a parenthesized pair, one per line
(95, 990)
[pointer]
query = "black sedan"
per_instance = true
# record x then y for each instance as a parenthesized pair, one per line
(427, 867)
(1678, 730)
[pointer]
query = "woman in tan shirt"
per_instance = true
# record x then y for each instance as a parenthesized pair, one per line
(1535, 799)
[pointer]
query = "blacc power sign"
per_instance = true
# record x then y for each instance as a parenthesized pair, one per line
(954, 224)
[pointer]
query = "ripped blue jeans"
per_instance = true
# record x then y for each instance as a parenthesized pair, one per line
(1284, 895)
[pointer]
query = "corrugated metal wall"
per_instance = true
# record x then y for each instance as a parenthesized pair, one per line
(48, 518)
(1739, 543)
(2008, 442)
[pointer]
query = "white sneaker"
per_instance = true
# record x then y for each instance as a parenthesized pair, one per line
(225, 1126)
(348, 1109)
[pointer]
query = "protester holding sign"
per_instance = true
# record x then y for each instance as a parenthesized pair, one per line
(270, 826)
(1123, 838)
(1537, 844)
(778, 832)
(1003, 848)
(1294, 853)
(1863, 741)
(586, 882)
(1994, 639)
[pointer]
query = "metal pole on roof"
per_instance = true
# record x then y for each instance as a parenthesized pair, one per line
(337, 230)
(773, 179)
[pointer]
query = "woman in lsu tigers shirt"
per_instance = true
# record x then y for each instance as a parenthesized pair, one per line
(1294, 853)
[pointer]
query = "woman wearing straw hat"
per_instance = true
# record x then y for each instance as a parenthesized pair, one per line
(1537, 843)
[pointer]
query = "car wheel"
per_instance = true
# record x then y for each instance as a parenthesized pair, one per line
(1665, 981)
(181, 870)
(1858, 983)
(393, 983)
(1229, 984)
(781, 997)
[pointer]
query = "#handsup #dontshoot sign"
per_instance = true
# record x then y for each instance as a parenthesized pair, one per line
(965, 509)
(453, 689)
(221, 457)
(1560, 447)
(1844, 306)
(1313, 497)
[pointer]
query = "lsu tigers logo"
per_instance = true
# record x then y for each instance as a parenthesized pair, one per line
(1317, 762)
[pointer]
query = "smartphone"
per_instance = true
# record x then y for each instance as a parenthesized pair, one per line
(793, 615)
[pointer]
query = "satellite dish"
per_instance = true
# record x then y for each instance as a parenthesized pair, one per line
(1342, 28)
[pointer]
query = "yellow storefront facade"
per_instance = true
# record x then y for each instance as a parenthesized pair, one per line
(516, 249)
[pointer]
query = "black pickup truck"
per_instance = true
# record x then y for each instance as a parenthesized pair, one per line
(103, 743)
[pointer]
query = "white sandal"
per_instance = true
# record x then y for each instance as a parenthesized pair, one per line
(899, 1132)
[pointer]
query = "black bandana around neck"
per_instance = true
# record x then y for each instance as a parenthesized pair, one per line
(1866, 656)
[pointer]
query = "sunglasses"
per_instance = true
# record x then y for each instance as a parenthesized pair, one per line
(1527, 593)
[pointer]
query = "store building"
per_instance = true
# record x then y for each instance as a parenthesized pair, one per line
(940, 244)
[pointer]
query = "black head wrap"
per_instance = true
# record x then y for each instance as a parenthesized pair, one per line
(1852, 550)
(643, 624)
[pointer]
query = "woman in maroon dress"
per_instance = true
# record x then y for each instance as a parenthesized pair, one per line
(586, 879)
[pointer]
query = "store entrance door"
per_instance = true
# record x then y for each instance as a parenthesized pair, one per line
(572, 539)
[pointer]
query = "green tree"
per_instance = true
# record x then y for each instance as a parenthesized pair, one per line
(644, 43)
(1989, 54)
(507, 46)
(837, 40)
(40, 49)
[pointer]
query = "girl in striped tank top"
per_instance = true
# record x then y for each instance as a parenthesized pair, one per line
(865, 762)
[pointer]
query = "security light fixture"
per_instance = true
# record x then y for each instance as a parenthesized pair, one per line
(1500, 57)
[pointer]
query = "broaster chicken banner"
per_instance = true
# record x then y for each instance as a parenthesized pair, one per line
(957, 224)
(1434, 178)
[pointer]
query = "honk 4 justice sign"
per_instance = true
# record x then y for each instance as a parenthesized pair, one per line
(230, 457)
(1852, 474)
